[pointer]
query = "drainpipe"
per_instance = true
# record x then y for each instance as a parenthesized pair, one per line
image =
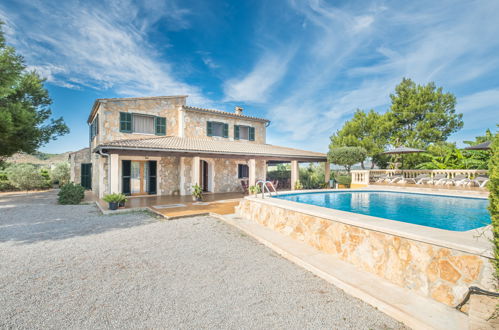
(100, 152)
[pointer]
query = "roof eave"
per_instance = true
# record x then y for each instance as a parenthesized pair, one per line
(180, 151)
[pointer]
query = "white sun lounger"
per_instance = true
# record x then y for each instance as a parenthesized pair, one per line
(417, 179)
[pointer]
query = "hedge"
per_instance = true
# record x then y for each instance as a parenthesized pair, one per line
(493, 187)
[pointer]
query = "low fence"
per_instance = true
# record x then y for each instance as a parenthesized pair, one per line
(365, 177)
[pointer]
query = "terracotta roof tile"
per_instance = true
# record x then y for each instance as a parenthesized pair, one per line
(192, 145)
(224, 113)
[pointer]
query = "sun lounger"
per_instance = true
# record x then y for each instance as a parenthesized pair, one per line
(417, 179)
(395, 179)
(458, 180)
(382, 178)
(432, 180)
(480, 181)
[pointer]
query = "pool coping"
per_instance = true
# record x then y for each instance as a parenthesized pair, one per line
(475, 241)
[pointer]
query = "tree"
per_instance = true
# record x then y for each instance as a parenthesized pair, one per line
(493, 187)
(347, 156)
(367, 130)
(25, 122)
(445, 155)
(60, 173)
(25, 177)
(422, 114)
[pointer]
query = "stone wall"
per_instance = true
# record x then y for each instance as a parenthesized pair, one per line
(169, 171)
(75, 160)
(226, 176)
(195, 126)
(109, 117)
(440, 273)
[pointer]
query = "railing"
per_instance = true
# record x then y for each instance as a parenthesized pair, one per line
(365, 177)
(265, 185)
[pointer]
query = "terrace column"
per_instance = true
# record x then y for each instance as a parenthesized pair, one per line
(252, 172)
(114, 181)
(294, 173)
(196, 170)
(327, 172)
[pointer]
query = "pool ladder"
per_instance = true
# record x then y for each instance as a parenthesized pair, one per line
(265, 185)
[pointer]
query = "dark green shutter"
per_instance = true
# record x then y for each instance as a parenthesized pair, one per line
(226, 130)
(96, 121)
(236, 132)
(160, 123)
(252, 134)
(86, 175)
(126, 170)
(209, 128)
(125, 122)
(151, 189)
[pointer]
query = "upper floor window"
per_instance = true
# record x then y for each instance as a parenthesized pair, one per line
(94, 127)
(214, 128)
(244, 133)
(137, 123)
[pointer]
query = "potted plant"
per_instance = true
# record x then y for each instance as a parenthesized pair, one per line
(298, 185)
(123, 201)
(197, 193)
(253, 190)
(114, 200)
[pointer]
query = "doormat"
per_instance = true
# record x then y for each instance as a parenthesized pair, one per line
(168, 206)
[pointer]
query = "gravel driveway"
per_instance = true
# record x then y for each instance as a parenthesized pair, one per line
(70, 267)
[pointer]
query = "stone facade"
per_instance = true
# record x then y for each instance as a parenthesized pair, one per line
(169, 172)
(75, 160)
(440, 273)
(109, 117)
(195, 126)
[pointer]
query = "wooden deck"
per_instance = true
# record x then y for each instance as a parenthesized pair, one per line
(177, 206)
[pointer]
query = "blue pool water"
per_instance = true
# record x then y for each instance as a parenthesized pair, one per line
(444, 212)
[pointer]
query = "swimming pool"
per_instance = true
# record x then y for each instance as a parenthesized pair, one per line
(437, 211)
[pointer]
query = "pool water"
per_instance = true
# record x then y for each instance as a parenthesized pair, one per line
(444, 212)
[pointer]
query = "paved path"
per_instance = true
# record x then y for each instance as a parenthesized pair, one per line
(70, 267)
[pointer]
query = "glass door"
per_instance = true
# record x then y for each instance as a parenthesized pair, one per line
(136, 178)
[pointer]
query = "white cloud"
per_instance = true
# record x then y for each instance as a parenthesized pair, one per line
(257, 85)
(103, 46)
(358, 53)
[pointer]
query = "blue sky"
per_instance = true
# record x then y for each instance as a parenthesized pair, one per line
(305, 65)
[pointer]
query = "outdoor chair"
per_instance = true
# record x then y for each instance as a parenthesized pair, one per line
(395, 179)
(382, 178)
(458, 180)
(244, 185)
(436, 179)
(417, 179)
(480, 181)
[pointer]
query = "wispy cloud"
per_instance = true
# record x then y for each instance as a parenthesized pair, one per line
(360, 52)
(257, 85)
(104, 46)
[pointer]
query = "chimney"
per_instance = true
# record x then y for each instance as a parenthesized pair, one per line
(238, 110)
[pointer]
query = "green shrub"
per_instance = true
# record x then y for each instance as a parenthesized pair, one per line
(60, 174)
(493, 187)
(343, 179)
(25, 177)
(71, 193)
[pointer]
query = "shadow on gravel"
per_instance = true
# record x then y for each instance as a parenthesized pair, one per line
(31, 218)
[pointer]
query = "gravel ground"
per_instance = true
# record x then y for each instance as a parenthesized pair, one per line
(70, 267)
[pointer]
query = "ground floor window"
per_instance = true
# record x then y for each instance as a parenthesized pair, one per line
(139, 177)
(242, 171)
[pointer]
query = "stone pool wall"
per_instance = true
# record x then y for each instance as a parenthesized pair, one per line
(444, 274)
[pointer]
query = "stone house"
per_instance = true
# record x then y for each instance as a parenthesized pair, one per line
(160, 145)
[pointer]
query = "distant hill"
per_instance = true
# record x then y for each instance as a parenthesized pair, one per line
(38, 158)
